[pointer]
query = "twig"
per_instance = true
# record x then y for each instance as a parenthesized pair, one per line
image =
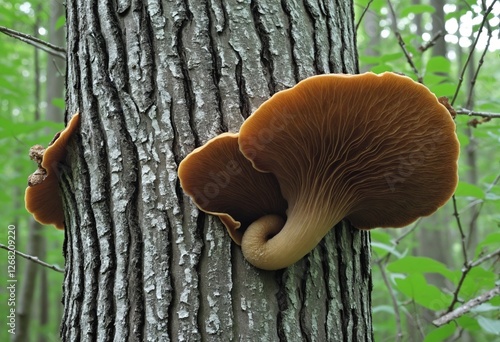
(36, 42)
(365, 10)
(395, 305)
(461, 78)
(459, 224)
(34, 259)
(402, 44)
(485, 258)
(464, 111)
(460, 311)
(430, 43)
(480, 64)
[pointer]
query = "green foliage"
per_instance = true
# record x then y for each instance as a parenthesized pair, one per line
(18, 132)
(408, 283)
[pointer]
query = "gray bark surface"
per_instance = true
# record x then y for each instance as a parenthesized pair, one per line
(152, 81)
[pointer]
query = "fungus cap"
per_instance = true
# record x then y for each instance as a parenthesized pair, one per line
(379, 150)
(43, 198)
(222, 182)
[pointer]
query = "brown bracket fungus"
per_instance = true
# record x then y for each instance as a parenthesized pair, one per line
(222, 182)
(42, 197)
(377, 150)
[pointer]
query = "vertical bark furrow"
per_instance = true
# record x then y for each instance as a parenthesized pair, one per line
(245, 106)
(232, 110)
(216, 65)
(116, 52)
(89, 326)
(173, 139)
(123, 172)
(265, 53)
(244, 41)
(317, 17)
(123, 5)
(140, 62)
(215, 317)
(345, 274)
(331, 264)
(335, 58)
(97, 212)
(313, 313)
(87, 237)
(219, 14)
(292, 299)
(301, 39)
(71, 247)
(73, 278)
(196, 64)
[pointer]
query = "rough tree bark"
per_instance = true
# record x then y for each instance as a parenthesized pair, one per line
(153, 80)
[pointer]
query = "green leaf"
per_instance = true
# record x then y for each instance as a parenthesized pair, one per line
(391, 57)
(490, 239)
(412, 264)
(438, 64)
(468, 323)
(469, 190)
(440, 334)
(415, 286)
(478, 279)
(417, 9)
(485, 307)
(61, 21)
(491, 326)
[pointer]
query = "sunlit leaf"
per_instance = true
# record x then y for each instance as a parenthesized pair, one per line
(414, 264)
(416, 287)
(490, 325)
(440, 334)
(469, 190)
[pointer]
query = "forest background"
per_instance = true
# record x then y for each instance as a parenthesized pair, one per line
(419, 272)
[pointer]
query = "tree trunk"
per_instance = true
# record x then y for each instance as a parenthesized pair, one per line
(153, 80)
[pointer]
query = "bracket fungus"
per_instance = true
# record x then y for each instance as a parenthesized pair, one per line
(43, 197)
(229, 187)
(377, 150)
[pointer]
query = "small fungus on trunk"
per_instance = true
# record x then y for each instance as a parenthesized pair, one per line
(43, 197)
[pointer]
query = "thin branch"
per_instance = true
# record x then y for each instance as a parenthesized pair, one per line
(365, 10)
(430, 43)
(461, 78)
(36, 42)
(464, 111)
(34, 259)
(459, 224)
(402, 44)
(395, 305)
(480, 64)
(407, 232)
(485, 258)
(468, 265)
(460, 311)
(465, 271)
